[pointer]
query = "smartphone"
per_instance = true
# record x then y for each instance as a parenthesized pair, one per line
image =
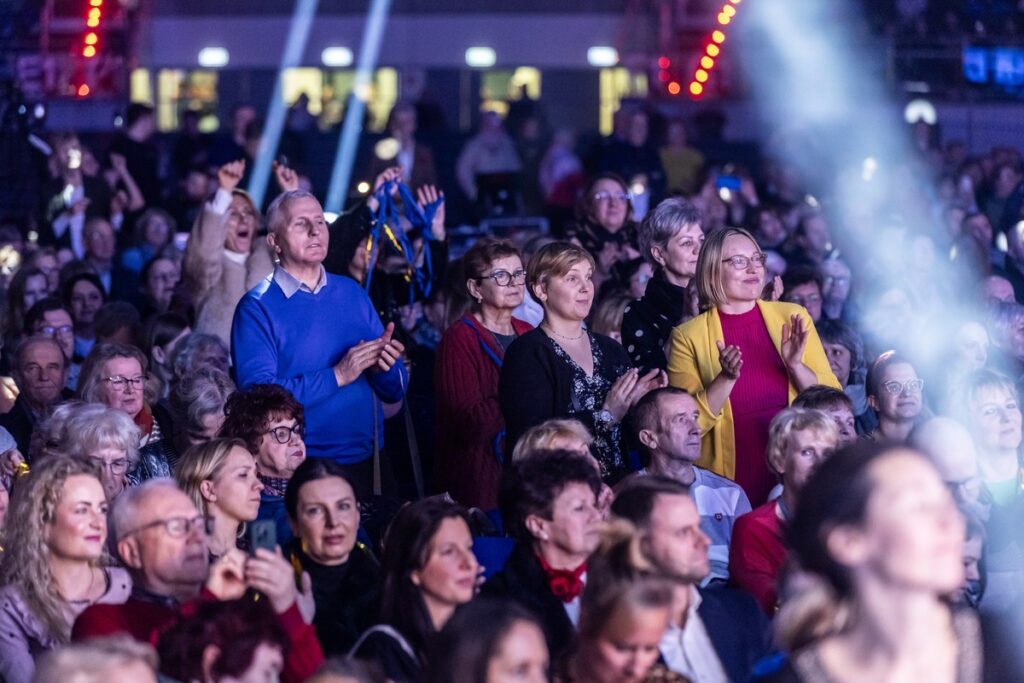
(262, 534)
(728, 182)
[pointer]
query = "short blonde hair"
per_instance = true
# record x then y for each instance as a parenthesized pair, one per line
(555, 260)
(541, 437)
(796, 420)
(709, 266)
(203, 462)
(607, 318)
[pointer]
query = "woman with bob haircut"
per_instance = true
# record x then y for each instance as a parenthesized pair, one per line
(324, 513)
(53, 566)
(471, 429)
(428, 571)
(774, 343)
(604, 223)
(562, 369)
(490, 641)
(220, 478)
(106, 436)
(878, 541)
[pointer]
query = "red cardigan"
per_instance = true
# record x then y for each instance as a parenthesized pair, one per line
(469, 417)
(145, 620)
(756, 554)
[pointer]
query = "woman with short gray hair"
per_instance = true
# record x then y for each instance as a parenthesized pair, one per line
(109, 438)
(670, 238)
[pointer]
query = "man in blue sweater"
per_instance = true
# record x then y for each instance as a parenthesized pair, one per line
(318, 336)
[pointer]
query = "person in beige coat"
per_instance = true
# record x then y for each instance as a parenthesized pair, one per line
(223, 258)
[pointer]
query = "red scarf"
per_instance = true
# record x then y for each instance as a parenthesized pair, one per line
(566, 584)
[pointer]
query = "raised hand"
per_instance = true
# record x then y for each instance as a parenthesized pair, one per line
(731, 360)
(271, 574)
(777, 288)
(393, 173)
(227, 576)
(427, 195)
(304, 598)
(794, 341)
(391, 350)
(357, 360)
(655, 379)
(118, 163)
(617, 401)
(287, 178)
(230, 174)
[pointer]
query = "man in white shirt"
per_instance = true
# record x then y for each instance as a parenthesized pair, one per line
(716, 634)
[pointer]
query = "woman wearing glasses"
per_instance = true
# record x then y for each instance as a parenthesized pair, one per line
(896, 394)
(744, 359)
(115, 375)
(563, 370)
(471, 445)
(220, 478)
(604, 223)
(271, 423)
(52, 567)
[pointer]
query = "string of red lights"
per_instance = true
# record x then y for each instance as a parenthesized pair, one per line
(712, 49)
(90, 42)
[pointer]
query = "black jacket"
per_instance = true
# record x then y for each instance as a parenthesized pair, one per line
(647, 323)
(346, 597)
(20, 422)
(737, 627)
(524, 581)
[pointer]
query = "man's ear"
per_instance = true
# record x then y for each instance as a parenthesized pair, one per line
(272, 241)
(128, 550)
(648, 439)
(538, 527)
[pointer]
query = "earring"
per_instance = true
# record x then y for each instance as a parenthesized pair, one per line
(479, 299)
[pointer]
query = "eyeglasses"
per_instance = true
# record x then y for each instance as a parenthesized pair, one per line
(503, 278)
(283, 434)
(178, 527)
(743, 262)
(119, 466)
(121, 383)
(608, 197)
(51, 331)
(911, 386)
(802, 300)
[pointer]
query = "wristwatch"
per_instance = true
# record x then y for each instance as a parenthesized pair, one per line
(605, 415)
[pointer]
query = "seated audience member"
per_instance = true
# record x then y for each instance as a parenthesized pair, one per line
(271, 424)
(845, 351)
(878, 540)
(161, 539)
(115, 375)
(798, 441)
(428, 570)
(607, 317)
(549, 504)
(665, 426)
(950, 447)
(49, 318)
(40, 371)
(715, 633)
(225, 642)
(489, 641)
(833, 403)
(896, 395)
(563, 435)
(469, 360)
(117, 322)
(83, 294)
(198, 350)
(835, 290)
(101, 660)
(52, 565)
(110, 439)
(220, 478)
(972, 590)
(197, 406)
(802, 285)
(162, 333)
(324, 512)
(996, 288)
(670, 238)
(624, 614)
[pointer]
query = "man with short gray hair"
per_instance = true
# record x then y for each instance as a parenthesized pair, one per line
(318, 336)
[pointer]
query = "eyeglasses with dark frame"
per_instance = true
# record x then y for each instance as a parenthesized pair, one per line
(177, 527)
(283, 434)
(120, 382)
(503, 278)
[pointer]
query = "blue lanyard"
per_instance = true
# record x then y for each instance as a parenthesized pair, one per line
(387, 220)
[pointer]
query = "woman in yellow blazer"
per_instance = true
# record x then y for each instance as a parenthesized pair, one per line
(744, 359)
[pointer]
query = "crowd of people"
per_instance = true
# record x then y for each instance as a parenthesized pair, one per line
(708, 430)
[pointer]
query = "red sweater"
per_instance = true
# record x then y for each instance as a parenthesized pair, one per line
(469, 417)
(146, 620)
(760, 393)
(756, 554)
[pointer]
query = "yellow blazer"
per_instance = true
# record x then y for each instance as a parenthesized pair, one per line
(693, 365)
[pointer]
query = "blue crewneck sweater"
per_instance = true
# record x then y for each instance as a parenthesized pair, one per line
(296, 342)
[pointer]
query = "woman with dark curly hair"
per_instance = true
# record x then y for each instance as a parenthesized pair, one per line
(271, 423)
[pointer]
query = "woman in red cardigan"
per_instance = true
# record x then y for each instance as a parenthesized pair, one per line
(471, 430)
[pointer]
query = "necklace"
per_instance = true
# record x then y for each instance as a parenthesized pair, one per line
(576, 338)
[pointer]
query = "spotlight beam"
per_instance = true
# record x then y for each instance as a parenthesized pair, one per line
(369, 52)
(294, 47)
